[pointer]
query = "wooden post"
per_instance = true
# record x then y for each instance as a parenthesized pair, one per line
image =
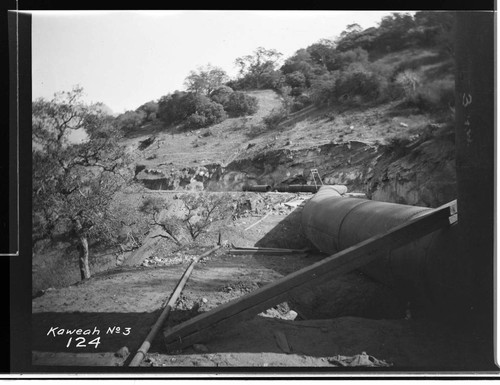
(474, 125)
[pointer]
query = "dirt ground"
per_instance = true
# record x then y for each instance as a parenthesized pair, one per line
(132, 298)
(344, 317)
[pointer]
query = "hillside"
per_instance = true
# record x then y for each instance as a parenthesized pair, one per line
(390, 151)
(365, 147)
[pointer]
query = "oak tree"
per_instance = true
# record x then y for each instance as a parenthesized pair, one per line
(258, 67)
(205, 80)
(74, 182)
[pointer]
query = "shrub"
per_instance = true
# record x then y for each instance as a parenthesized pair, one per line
(297, 91)
(323, 88)
(286, 98)
(296, 79)
(272, 80)
(221, 95)
(296, 106)
(304, 99)
(195, 111)
(275, 117)
(357, 80)
(391, 91)
(196, 121)
(207, 113)
(357, 55)
(150, 109)
(152, 205)
(382, 69)
(434, 96)
(241, 104)
(175, 107)
(408, 81)
(130, 120)
(301, 102)
(238, 84)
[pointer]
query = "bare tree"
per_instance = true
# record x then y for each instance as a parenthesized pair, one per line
(154, 206)
(203, 210)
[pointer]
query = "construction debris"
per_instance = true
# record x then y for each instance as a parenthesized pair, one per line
(122, 352)
(359, 360)
(260, 220)
(176, 259)
(296, 203)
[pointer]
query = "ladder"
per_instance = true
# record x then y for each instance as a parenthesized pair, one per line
(315, 173)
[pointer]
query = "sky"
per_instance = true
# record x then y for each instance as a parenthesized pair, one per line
(127, 58)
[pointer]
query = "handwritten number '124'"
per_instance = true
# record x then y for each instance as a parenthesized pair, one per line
(81, 342)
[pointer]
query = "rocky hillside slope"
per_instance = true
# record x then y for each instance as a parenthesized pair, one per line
(388, 152)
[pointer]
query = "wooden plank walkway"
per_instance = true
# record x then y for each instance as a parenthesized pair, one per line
(202, 326)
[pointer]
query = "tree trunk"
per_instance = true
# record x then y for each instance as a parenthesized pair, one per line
(84, 258)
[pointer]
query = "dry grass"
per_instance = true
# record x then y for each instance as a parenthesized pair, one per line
(57, 266)
(245, 137)
(185, 149)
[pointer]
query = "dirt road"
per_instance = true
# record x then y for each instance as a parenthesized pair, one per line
(132, 298)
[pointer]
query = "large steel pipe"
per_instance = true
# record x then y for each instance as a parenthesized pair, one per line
(341, 189)
(292, 188)
(257, 188)
(423, 271)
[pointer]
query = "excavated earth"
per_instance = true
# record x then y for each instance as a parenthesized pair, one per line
(346, 316)
(425, 176)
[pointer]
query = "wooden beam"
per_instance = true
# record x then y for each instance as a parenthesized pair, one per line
(260, 220)
(252, 248)
(141, 353)
(265, 252)
(200, 327)
(269, 254)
